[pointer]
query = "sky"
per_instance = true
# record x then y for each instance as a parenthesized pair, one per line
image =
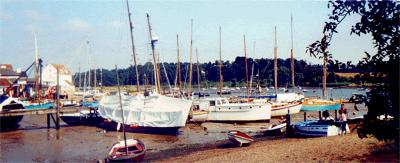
(93, 33)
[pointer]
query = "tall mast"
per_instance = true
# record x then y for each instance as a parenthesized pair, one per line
(122, 111)
(133, 47)
(156, 73)
(275, 66)
(252, 67)
(37, 69)
(101, 78)
(221, 80)
(198, 72)
(179, 65)
(190, 58)
(245, 62)
(87, 50)
(291, 50)
(80, 76)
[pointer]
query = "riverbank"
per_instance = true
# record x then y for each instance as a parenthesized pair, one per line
(347, 148)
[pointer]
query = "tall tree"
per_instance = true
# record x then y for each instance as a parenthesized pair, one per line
(381, 20)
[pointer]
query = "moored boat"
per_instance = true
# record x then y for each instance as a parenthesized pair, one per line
(220, 109)
(8, 104)
(315, 128)
(134, 151)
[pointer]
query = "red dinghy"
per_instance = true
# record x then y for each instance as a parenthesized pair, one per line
(136, 151)
(239, 138)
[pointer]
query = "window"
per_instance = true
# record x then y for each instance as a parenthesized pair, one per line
(212, 103)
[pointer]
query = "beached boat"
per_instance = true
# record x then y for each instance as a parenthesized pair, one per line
(281, 109)
(7, 104)
(220, 109)
(136, 151)
(239, 138)
(315, 128)
(154, 111)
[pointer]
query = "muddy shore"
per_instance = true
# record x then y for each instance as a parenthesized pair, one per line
(206, 142)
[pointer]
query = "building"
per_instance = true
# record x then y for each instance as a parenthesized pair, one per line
(8, 81)
(49, 78)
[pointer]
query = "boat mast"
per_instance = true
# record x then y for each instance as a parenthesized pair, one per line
(37, 69)
(156, 75)
(133, 47)
(198, 72)
(179, 65)
(275, 66)
(80, 76)
(190, 58)
(101, 78)
(122, 110)
(291, 50)
(252, 68)
(87, 50)
(245, 62)
(221, 80)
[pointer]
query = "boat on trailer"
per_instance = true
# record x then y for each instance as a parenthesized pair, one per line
(239, 138)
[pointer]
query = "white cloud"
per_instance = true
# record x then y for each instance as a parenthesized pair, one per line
(77, 24)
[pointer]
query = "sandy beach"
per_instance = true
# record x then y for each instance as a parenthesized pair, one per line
(347, 148)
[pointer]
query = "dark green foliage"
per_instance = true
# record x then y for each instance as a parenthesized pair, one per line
(380, 19)
(305, 74)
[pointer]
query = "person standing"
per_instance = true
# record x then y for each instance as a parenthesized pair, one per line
(343, 120)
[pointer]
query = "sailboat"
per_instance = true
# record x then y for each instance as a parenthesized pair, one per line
(148, 111)
(128, 150)
(282, 103)
(220, 109)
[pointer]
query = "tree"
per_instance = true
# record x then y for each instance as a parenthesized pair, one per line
(381, 20)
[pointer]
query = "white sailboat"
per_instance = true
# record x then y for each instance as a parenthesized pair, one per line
(220, 109)
(147, 112)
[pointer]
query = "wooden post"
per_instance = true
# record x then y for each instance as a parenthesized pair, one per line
(320, 115)
(305, 116)
(48, 120)
(58, 100)
(336, 115)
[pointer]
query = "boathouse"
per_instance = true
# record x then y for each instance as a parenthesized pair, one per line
(49, 77)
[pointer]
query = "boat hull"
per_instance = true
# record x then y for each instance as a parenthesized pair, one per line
(318, 128)
(240, 113)
(239, 138)
(10, 122)
(283, 110)
(113, 126)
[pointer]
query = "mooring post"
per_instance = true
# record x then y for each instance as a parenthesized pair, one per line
(336, 115)
(48, 120)
(320, 115)
(58, 101)
(288, 121)
(305, 116)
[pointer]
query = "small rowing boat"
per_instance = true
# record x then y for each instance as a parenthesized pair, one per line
(239, 138)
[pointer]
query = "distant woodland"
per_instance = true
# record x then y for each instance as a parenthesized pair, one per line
(234, 73)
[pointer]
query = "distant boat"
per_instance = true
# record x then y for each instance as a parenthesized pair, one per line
(8, 104)
(219, 109)
(239, 138)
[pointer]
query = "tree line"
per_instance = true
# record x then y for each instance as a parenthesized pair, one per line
(306, 74)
